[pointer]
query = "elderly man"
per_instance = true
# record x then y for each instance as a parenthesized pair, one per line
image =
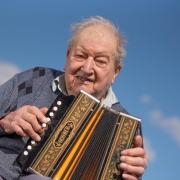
(94, 59)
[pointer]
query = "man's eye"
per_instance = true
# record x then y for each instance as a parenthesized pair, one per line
(79, 55)
(101, 62)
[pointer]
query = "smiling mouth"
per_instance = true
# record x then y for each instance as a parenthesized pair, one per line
(84, 80)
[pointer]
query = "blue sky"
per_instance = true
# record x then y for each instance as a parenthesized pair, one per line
(35, 33)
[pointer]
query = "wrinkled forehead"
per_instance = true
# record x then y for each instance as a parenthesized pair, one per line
(98, 31)
(97, 35)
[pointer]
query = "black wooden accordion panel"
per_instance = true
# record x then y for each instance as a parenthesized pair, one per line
(85, 143)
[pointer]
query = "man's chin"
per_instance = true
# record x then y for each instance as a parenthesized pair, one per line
(86, 90)
(77, 91)
(94, 94)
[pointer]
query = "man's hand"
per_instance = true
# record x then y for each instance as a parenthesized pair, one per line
(25, 121)
(133, 161)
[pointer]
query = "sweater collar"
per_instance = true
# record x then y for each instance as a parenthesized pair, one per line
(58, 84)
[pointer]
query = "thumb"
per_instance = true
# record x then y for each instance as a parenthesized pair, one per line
(138, 141)
(44, 110)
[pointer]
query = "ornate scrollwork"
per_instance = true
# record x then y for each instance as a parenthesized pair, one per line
(63, 135)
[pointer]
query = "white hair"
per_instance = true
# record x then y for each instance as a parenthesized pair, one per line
(98, 20)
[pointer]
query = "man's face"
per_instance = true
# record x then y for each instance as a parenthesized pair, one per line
(90, 62)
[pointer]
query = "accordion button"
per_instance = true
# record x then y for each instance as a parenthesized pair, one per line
(55, 108)
(44, 125)
(59, 103)
(29, 147)
(51, 114)
(33, 142)
(48, 120)
(25, 153)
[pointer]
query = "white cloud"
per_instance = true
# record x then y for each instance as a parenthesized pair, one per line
(171, 124)
(7, 70)
(151, 154)
(145, 99)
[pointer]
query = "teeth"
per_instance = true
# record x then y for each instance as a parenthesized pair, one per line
(84, 79)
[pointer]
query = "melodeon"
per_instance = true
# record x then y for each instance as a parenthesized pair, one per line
(83, 139)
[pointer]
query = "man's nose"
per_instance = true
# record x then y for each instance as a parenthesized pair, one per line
(88, 65)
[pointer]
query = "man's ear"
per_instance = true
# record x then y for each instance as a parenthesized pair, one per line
(116, 72)
(67, 53)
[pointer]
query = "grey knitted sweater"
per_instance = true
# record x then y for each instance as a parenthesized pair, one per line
(31, 87)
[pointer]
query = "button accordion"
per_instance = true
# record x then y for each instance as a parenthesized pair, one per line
(82, 139)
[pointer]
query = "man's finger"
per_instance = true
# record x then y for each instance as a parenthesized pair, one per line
(19, 131)
(138, 141)
(129, 177)
(135, 152)
(44, 110)
(27, 128)
(32, 119)
(134, 161)
(37, 112)
(132, 169)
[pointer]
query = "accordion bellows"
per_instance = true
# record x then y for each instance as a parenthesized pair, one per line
(83, 140)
